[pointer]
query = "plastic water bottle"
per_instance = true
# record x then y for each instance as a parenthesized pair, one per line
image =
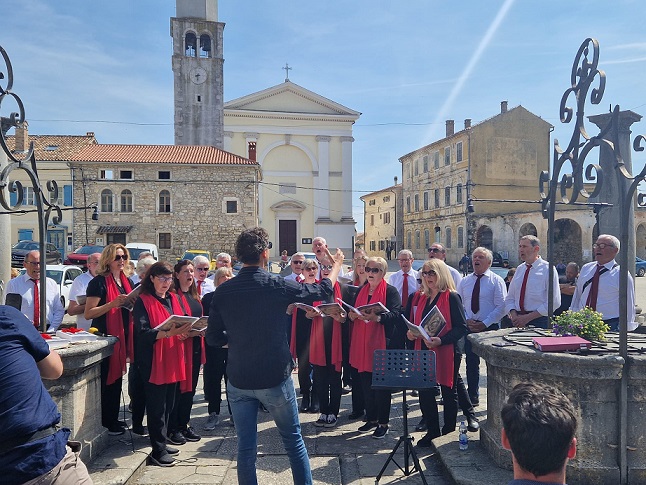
(464, 438)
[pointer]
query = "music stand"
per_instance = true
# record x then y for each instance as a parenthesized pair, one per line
(402, 370)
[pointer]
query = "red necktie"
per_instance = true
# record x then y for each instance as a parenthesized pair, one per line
(36, 304)
(199, 288)
(405, 291)
(475, 295)
(594, 289)
(524, 287)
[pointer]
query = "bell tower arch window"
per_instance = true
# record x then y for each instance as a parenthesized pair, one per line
(205, 46)
(190, 45)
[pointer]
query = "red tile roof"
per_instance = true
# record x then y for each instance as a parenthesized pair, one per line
(55, 147)
(190, 155)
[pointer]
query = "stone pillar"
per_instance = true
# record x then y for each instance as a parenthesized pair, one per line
(346, 171)
(322, 196)
(610, 217)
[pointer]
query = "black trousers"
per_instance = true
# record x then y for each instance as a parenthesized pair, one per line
(328, 388)
(428, 404)
(304, 370)
(110, 397)
(137, 395)
(214, 371)
(181, 413)
(377, 401)
(358, 401)
(160, 400)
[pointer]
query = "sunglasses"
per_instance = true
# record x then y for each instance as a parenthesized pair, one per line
(201, 269)
(429, 273)
(298, 262)
(434, 250)
(372, 270)
(164, 279)
(327, 267)
(310, 269)
(120, 257)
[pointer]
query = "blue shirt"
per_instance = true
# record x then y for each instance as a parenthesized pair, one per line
(25, 404)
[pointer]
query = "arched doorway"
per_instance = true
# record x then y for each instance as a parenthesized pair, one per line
(484, 237)
(527, 229)
(567, 242)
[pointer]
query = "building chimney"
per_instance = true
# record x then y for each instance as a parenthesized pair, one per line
(90, 133)
(450, 127)
(467, 123)
(22, 137)
(503, 106)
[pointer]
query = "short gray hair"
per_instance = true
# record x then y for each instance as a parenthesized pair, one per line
(485, 251)
(533, 240)
(143, 265)
(199, 259)
(405, 252)
(615, 241)
(223, 255)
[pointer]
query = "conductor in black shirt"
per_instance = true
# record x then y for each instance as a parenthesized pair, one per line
(250, 308)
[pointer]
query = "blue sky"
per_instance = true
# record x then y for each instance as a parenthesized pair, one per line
(407, 66)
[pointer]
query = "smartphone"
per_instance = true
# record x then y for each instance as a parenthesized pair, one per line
(503, 344)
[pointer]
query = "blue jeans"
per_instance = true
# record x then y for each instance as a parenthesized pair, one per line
(280, 401)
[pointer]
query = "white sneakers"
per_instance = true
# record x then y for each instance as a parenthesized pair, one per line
(326, 420)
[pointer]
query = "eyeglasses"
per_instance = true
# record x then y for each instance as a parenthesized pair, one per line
(310, 269)
(120, 257)
(601, 246)
(372, 270)
(434, 250)
(164, 279)
(33, 263)
(327, 267)
(201, 269)
(404, 259)
(429, 273)
(298, 262)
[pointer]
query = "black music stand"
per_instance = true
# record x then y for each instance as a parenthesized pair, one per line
(402, 370)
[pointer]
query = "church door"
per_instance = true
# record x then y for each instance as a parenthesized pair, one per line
(287, 236)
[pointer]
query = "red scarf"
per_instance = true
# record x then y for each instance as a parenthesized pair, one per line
(317, 339)
(367, 336)
(417, 308)
(187, 384)
(443, 353)
(168, 353)
(115, 326)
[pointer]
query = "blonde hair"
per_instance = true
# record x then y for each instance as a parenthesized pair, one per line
(107, 257)
(381, 262)
(444, 278)
(220, 272)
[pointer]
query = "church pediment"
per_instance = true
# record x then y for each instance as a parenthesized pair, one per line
(290, 98)
(288, 206)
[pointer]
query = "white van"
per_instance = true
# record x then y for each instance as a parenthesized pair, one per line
(135, 249)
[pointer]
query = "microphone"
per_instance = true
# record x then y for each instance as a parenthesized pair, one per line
(95, 331)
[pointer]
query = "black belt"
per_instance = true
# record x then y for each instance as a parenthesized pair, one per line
(8, 445)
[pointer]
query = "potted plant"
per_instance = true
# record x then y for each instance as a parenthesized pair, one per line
(585, 323)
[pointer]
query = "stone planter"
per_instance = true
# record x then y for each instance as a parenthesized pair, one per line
(77, 393)
(591, 382)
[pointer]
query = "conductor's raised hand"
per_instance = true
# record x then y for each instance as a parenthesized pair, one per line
(337, 257)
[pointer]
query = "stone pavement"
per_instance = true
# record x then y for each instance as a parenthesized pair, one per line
(339, 455)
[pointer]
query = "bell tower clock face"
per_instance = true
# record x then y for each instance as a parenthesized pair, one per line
(198, 75)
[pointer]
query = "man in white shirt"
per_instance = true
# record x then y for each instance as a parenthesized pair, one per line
(483, 296)
(23, 285)
(202, 266)
(296, 265)
(406, 277)
(222, 260)
(526, 301)
(603, 295)
(78, 289)
(437, 251)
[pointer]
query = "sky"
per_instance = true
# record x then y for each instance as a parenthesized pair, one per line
(407, 66)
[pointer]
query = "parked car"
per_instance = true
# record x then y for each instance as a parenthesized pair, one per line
(79, 257)
(135, 249)
(20, 250)
(64, 276)
(640, 267)
(191, 253)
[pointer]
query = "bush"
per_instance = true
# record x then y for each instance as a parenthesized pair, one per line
(585, 323)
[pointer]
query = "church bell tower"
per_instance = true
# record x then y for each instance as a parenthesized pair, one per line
(198, 73)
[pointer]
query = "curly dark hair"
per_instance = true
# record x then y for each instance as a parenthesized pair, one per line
(250, 244)
(158, 269)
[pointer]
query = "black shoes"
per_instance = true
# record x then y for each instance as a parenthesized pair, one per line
(305, 403)
(426, 441)
(116, 429)
(314, 406)
(171, 451)
(190, 434)
(347, 389)
(176, 438)
(163, 460)
(380, 432)
(368, 427)
(421, 426)
(355, 415)
(140, 430)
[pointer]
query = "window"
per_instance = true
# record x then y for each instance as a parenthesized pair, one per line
(164, 240)
(164, 201)
(232, 206)
(56, 201)
(125, 174)
(458, 193)
(28, 196)
(408, 204)
(447, 237)
(447, 196)
(417, 241)
(373, 246)
(425, 201)
(427, 238)
(437, 198)
(387, 198)
(251, 150)
(190, 45)
(372, 219)
(106, 174)
(382, 245)
(425, 163)
(409, 240)
(407, 170)
(126, 201)
(289, 188)
(416, 202)
(416, 167)
(205, 46)
(371, 202)
(163, 175)
(106, 201)
(386, 217)
(438, 235)
(447, 156)
(460, 237)
(436, 159)
(458, 152)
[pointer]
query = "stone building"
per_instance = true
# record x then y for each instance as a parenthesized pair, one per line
(52, 153)
(382, 221)
(178, 197)
(303, 143)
